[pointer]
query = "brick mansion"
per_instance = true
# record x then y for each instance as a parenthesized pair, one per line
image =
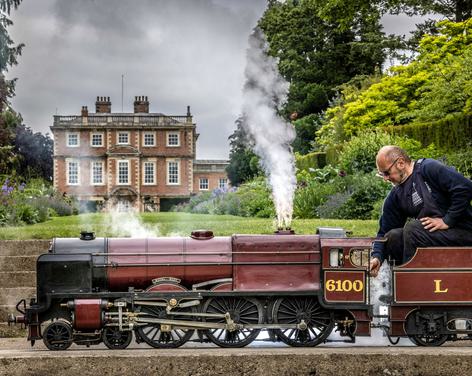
(143, 161)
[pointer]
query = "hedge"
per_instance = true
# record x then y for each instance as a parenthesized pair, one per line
(311, 160)
(450, 134)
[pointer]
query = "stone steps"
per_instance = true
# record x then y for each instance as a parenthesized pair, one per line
(23, 247)
(11, 295)
(18, 279)
(18, 263)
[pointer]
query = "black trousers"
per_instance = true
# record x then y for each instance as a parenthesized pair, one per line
(402, 242)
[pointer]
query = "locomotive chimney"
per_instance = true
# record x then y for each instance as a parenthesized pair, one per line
(87, 235)
(284, 231)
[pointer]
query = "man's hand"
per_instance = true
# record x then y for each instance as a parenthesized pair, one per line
(374, 267)
(433, 224)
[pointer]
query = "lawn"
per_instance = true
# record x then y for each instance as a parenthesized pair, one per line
(169, 224)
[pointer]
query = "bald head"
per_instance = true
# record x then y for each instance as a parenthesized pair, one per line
(389, 153)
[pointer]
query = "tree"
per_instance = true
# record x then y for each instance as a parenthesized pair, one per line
(453, 10)
(243, 163)
(8, 118)
(436, 84)
(8, 52)
(305, 128)
(316, 54)
(35, 154)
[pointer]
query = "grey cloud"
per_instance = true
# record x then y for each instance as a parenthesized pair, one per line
(178, 53)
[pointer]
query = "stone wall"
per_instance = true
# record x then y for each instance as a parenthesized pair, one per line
(17, 276)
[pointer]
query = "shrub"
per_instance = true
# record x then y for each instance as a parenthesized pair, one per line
(331, 208)
(255, 199)
(462, 161)
(31, 203)
(358, 154)
(310, 196)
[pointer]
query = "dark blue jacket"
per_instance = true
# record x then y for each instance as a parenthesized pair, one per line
(450, 191)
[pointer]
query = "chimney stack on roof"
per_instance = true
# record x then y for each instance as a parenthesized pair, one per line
(103, 105)
(141, 104)
(84, 111)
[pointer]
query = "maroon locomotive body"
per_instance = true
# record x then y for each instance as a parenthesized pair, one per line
(167, 291)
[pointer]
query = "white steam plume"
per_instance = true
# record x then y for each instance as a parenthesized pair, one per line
(264, 91)
(128, 224)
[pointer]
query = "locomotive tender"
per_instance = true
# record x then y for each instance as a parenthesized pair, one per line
(299, 288)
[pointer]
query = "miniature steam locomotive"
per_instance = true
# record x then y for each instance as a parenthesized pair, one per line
(299, 288)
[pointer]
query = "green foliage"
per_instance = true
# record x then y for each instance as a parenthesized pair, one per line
(8, 52)
(250, 199)
(171, 224)
(461, 160)
(309, 196)
(35, 154)
(358, 154)
(255, 199)
(355, 197)
(315, 54)
(451, 133)
(436, 84)
(33, 202)
(329, 193)
(243, 163)
(311, 160)
(306, 129)
(364, 191)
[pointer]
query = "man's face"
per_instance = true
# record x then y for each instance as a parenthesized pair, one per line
(390, 170)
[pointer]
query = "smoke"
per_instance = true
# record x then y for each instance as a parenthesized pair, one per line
(264, 91)
(127, 224)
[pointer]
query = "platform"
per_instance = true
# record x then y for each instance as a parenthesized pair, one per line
(17, 358)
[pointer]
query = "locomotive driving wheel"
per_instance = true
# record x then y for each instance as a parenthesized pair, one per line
(163, 336)
(293, 310)
(423, 328)
(58, 335)
(241, 311)
(116, 339)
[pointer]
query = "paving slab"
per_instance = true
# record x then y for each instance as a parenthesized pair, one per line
(16, 358)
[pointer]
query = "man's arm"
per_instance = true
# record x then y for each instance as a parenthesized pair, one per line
(391, 218)
(453, 184)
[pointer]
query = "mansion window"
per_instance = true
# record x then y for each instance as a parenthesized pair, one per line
(173, 177)
(73, 139)
(97, 173)
(222, 183)
(73, 172)
(173, 139)
(123, 172)
(123, 138)
(149, 173)
(204, 184)
(97, 139)
(149, 139)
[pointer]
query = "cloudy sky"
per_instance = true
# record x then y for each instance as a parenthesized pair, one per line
(177, 52)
